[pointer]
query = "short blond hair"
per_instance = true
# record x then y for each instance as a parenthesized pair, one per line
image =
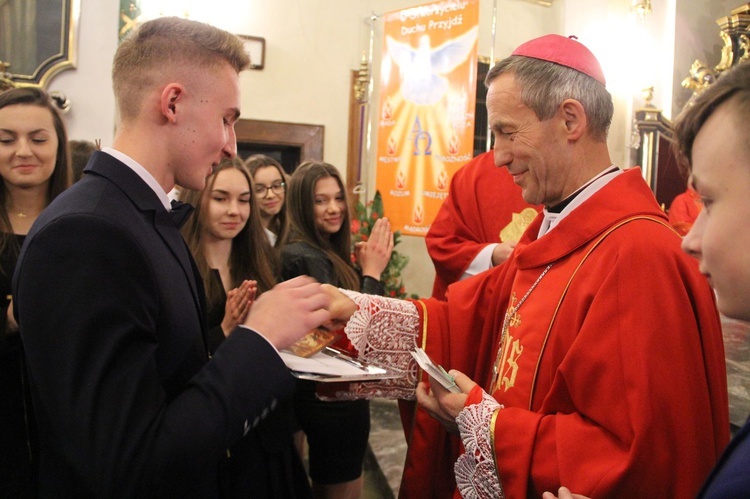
(158, 49)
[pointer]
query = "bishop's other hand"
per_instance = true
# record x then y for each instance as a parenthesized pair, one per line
(443, 404)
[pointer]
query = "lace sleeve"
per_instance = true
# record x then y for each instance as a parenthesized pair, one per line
(384, 331)
(476, 472)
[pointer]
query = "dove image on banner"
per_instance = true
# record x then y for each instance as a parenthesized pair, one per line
(425, 128)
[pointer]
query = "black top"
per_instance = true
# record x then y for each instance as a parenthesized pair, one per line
(19, 457)
(8, 260)
(300, 258)
(730, 478)
(333, 459)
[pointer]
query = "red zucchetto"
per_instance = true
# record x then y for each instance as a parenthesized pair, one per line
(564, 51)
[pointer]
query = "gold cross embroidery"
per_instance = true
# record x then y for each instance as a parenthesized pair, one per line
(515, 318)
(511, 318)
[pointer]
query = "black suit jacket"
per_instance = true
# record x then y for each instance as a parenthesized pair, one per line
(110, 314)
(730, 478)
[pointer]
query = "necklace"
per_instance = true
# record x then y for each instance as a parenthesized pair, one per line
(509, 314)
(21, 215)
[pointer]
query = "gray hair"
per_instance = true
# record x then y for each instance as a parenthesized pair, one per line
(545, 85)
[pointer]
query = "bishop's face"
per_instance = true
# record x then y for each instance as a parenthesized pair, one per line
(530, 149)
(720, 236)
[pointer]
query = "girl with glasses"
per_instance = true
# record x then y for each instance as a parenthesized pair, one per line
(270, 192)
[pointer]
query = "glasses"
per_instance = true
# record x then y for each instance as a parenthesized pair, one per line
(262, 190)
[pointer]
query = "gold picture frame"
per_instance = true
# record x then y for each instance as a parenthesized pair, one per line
(51, 27)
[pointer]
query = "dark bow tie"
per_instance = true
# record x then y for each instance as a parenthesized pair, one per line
(180, 212)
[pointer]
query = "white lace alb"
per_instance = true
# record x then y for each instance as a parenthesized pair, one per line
(384, 331)
(476, 473)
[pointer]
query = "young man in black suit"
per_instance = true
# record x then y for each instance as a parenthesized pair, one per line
(110, 305)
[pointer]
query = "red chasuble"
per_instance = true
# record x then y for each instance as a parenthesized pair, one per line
(612, 377)
(684, 209)
(483, 199)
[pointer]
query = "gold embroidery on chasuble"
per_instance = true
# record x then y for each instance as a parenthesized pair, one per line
(513, 350)
(510, 349)
(517, 225)
(520, 351)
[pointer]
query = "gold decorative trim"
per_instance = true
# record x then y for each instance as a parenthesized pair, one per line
(735, 34)
(65, 59)
(567, 286)
(518, 225)
(493, 422)
(727, 54)
(362, 81)
(424, 323)
(6, 79)
(700, 77)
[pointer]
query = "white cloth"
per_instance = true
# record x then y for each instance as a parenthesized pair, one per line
(384, 332)
(141, 172)
(270, 235)
(591, 187)
(481, 262)
(476, 474)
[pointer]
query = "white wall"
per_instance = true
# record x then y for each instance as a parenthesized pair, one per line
(635, 54)
(311, 47)
(89, 88)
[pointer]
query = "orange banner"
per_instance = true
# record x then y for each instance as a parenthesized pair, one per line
(427, 99)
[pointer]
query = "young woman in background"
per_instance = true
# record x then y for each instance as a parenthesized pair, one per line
(270, 192)
(236, 262)
(35, 168)
(319, 245)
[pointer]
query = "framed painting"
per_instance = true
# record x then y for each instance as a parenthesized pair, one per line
(38, 38)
